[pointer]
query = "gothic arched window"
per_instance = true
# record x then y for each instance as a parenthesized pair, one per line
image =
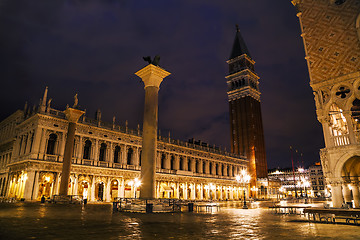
(51, 144)
(87, 149)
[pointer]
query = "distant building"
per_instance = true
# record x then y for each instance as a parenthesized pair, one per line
(293, 183)
(317, 180)
(106, 160)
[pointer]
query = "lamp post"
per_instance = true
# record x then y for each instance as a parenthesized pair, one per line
(243, 178)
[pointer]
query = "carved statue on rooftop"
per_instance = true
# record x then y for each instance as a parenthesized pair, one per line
(76, 101)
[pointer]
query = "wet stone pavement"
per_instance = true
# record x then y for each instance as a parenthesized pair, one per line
(97, 221)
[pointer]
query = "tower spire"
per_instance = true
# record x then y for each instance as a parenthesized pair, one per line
(239, 46)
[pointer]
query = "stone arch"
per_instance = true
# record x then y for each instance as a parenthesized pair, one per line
(339, 165)
(114, 188)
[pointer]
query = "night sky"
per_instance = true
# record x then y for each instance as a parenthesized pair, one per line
(93, 48)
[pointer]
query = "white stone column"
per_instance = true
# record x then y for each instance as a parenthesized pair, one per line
(193, 192)
(346, 193)
(177, 162)
(108, 191)
(336, 194)
(207, 167)
(193, 162)
(29, 184)
(42, 144)
(111, 153)
(36, 186)
(177, 194)
(327, 134)
(72, 116)
(96, 151)
(200, 167)
(186, 191)
(76, 184)
(80, 149)
(92, 190)
(62, 145)
(355, 191)
(136, 156)
(57, 183)
(121, 192)
(152, 76)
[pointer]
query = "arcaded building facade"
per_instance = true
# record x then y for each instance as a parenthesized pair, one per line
(106, 161)
(331, 34)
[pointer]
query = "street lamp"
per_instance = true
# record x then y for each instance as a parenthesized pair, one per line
(243, 178)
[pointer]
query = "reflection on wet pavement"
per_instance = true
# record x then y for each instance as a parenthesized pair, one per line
(96, 221)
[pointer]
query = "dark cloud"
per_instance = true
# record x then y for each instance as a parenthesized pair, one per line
(95, 47)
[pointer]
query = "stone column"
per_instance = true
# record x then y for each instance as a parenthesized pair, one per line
(56, 184)
(355, 191)
(336, 194)
(346, 193)
(29, 184)
(177, 162)
(152, 77)
(73, 116)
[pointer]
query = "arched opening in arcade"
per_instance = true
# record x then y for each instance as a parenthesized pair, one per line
(84, 189)
(99, 191)
(114, 188)
(46, 183)
(166, 191)
(350, 174)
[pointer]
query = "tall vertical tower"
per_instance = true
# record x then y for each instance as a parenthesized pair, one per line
(331, 34)
(247, 134)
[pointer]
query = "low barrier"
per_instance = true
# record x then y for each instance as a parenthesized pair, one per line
(160, 205)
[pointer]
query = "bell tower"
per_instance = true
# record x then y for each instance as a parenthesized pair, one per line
(247, 134)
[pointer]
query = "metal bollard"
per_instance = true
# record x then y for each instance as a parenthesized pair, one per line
(191, 207)
(149, 207)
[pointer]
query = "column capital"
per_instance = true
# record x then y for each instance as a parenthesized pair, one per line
(73, 114)
(152, 75)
